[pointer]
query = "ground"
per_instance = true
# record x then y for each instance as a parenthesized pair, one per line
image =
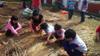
(32, 45)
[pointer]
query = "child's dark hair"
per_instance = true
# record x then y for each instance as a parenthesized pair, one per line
(70, 33)
(57, 26)
(44, 26)
(35, 13)
(14, 18)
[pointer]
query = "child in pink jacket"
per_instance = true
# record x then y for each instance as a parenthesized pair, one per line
(12, 27)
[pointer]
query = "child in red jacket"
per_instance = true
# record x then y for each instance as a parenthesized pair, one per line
(98, 33)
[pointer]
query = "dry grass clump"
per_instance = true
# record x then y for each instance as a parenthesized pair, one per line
(13, 49)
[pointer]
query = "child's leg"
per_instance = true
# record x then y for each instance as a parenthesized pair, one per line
(97, 36)
(24, 4)
(9, 33)
(70, 14)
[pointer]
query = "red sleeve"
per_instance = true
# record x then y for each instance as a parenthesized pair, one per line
(98, 29)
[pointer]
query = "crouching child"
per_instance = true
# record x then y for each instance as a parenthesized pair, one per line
(73, 44)
(13, 27)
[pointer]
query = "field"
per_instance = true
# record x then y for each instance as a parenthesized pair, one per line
(30, 44)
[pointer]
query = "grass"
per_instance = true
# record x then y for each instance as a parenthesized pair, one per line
(85, 30)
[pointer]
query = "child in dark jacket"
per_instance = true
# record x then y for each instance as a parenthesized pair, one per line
(36, 21)
(73, 44)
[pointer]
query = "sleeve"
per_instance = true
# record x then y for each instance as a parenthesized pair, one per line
(10, 27)
(19, 27)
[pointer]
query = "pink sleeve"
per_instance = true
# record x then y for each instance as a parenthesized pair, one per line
(10, 27)
(19, 27)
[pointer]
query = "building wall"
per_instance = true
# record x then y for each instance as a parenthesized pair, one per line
(94, 8)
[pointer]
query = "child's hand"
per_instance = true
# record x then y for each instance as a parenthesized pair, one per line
(84, 54)
(17, 35)
(62, 52)
(62, 38)
(37, 28)
(51, 41)
(48, 42)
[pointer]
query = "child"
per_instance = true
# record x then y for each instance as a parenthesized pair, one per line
(70, 7)
(82, 7)
(58, 34)
(36, 4)
(73, 44)
(36, 21)
(48, 29)
(13, 26)
(98, 33)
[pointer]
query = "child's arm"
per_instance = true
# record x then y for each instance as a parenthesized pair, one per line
(30, 25)
(19, 27)
(41, 22)
(10, 27)
(48, 36)
(97, 36)
(38, 27)
(84, 54)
